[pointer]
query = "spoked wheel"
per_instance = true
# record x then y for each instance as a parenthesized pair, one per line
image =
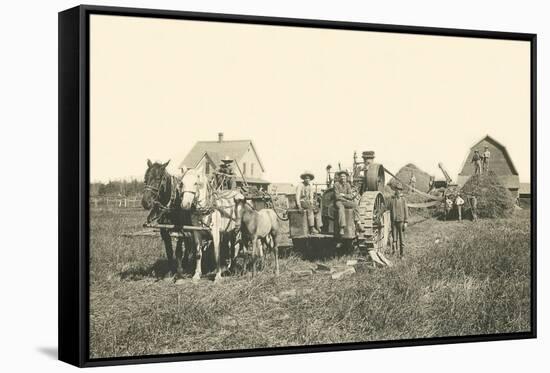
(371, 209)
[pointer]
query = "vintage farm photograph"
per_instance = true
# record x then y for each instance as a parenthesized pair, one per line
(257, 186)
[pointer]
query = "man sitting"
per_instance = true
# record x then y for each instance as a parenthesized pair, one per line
(225, 176)
(305, 199)
(344, 199)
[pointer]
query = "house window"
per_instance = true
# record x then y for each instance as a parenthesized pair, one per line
(207, 169)
(252, 169)
(244, 168)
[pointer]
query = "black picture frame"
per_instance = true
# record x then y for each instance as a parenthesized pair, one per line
(74, 180)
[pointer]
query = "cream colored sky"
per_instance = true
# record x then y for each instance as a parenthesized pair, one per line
(306, 97)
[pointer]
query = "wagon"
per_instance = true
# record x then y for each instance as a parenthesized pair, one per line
(374, 220)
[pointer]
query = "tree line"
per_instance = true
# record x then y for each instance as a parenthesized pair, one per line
(123, 188)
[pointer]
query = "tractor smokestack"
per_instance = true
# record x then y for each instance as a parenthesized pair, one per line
(220, 136)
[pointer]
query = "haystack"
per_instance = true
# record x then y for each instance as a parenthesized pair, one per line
(405, 173)
(494, 200)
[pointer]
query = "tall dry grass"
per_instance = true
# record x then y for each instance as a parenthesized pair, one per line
(474, 280)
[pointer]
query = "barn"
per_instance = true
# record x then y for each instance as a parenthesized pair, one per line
(209, 155)
(500, 163)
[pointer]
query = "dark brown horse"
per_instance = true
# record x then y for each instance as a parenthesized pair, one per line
(162, 198)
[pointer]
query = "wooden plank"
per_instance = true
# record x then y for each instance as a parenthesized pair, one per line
(171, 226)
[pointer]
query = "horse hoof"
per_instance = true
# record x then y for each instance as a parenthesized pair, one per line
(196, 279)
(180, 281)
(217, 279)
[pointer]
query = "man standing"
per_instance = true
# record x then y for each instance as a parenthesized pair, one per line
(485, 158)
(472, 201)
(476, 160)
(399, 216)
(345, 199)
(459, 202)
(448, 206)
(412, 181)
(305, 199)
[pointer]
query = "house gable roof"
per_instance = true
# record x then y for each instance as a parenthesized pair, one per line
(216, 151)
(497, 145)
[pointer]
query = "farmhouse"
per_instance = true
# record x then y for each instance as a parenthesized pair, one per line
(209, 155)
(500, 163)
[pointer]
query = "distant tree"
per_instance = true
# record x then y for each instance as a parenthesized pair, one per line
(126, 188)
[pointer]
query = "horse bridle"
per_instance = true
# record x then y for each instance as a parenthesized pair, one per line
(156, 190)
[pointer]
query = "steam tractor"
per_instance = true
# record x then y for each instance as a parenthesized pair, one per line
(368, 180)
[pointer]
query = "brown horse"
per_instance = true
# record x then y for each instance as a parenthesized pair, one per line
(258, 226)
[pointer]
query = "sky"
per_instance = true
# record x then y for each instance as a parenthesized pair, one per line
(305, 97)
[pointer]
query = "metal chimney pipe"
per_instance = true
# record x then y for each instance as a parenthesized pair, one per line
(220, 136)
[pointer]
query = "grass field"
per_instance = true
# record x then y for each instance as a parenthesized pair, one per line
(457, 279)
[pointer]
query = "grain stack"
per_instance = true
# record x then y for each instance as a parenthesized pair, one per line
(494, 200)
(404, 174)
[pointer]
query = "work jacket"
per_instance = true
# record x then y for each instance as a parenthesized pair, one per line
(342, 191)
(399, 212)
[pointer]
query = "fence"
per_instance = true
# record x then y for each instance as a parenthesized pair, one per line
(118, 202)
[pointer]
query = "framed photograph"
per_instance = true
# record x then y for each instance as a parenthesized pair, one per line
(234, 186)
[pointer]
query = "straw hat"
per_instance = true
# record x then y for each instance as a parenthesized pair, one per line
(227, 160)
(307, 173)
(342, 172)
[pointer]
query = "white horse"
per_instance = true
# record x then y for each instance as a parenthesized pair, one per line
(211, 209)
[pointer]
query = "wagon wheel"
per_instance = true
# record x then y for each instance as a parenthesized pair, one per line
(371, 211)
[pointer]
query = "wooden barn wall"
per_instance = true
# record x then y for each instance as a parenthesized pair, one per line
(498, 163)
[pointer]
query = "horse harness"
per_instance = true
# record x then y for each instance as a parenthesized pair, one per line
(162, 184)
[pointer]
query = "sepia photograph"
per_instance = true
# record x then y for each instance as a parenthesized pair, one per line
(256, 186)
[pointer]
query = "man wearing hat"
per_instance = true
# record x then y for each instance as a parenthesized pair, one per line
(476, 160)
(459, 202)
(485, 159)
(344, 199)
(305, 199)
(225, 176)
(399, 216)
(360, 174)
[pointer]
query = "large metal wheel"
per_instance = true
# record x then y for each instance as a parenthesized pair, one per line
(376, 178)
(371, 210)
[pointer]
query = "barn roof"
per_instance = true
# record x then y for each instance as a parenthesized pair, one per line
(218, 150)
(497, 145)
